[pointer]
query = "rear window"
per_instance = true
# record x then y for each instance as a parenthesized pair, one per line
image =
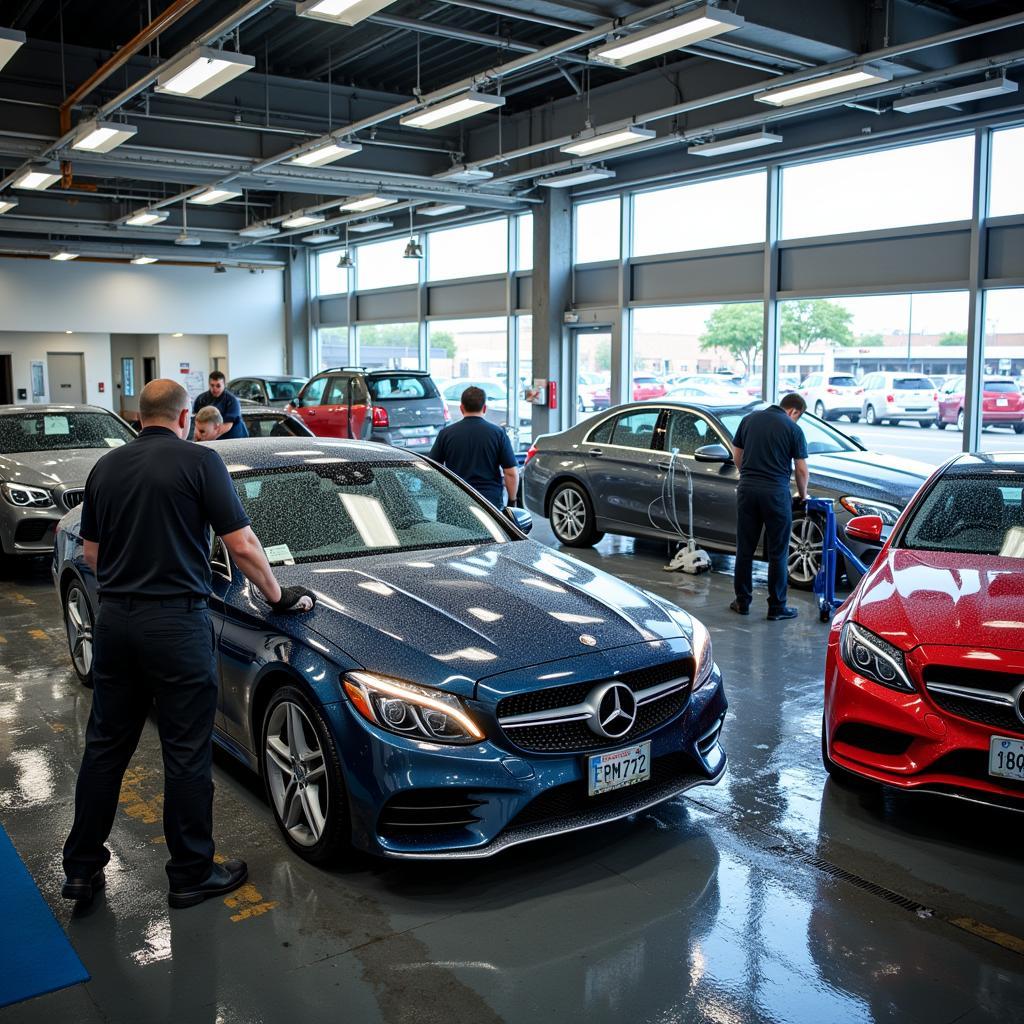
(913, 384)
(1006, 387)
(284, 390)
(401, 386)
(843, 381)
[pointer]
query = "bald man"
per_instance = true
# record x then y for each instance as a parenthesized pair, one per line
(146, 516)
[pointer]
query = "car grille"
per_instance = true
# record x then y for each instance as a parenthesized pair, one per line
(29, 531)
(420, 814)
(576, 736)
(988, 698)
(73, 498)
(972, 764)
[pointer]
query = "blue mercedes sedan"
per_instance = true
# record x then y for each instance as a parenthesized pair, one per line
(458, 688)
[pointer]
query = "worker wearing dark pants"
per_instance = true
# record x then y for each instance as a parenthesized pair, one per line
(146, 515)
(768, 446)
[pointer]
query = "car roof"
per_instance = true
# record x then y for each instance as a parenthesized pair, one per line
(13, 410)
(986, 464)
(269, 376)
(274, 452)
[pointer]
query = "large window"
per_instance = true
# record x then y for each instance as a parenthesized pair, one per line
(1002, 399)
(469, 251)
(332, 343)
(471, 352)
(381, 265)
(388, 346)
(598, 230)
(1007, 196)
(924, 184)
(524, 244)
(524, 325)
(706, 215)
(330, 278)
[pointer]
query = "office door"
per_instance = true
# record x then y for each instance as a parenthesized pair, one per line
(66, 371)
(588, 389)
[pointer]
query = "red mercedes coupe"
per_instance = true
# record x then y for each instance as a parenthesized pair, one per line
(924, 676)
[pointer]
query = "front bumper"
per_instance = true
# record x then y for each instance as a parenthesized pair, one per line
(28, 531)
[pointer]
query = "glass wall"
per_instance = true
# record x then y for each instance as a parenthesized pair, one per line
(705, 215)
(598, 228)
(381, 265)
(524, 244)
(1006, 196)
(469, 251)
(524, 326)
(330, 278)
(1003, 379)
(388, 346)
(332, 345)
(471, 352)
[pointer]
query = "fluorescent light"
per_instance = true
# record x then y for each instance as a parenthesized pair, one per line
(102, 136)
(667, 35)
(440, 209)
(458, 108)
(62, 256)
(363, 204)
(260, 231)
(6, 205)
(145, 218)
(326, 154)
(468, 175)
(366, 226)
(755, 140)
(36, 179)
(142, 261)
(628, 136)
(186, 239)
(203, 70)
(321, 236)
(303, 220)
(341, 12)
(11, 41)
(843, 81)
(579, 177)
(961, 94)
(212, 196)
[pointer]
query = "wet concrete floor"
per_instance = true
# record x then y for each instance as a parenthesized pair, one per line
(776, 896)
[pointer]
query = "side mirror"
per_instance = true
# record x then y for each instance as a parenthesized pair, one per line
(521, 517)
(867, 528)
(713, 453)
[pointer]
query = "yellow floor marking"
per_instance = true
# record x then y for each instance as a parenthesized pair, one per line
(3, 639)
(22, 599)
(147, 810)
(157, 840)
(57, 727)
(37, 634)
(985, 931)
(249, 902)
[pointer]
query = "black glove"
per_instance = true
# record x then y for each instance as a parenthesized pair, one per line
(799, 503)
(290, 597)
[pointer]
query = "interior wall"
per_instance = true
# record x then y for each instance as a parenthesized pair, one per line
(25, 347)
(186, 360)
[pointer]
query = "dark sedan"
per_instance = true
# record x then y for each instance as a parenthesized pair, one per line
(610, 474)
(405, 714)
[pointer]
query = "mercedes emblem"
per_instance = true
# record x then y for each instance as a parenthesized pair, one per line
(588, 640)
(1020, 704)
(614, 710)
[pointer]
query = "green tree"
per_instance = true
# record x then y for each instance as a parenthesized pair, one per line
(954, 338)
(443, 340)
(870, 340)
(603, 355)
(806, 321)
(737, 328)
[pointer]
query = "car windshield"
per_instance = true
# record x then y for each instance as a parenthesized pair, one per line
(401, 386)
(972, 515)
(821, 438)
(341, 509)
(60, 431)
(913, 384)
(843, 382)
(284, 390)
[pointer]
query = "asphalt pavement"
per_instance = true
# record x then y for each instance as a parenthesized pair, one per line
(928, 445)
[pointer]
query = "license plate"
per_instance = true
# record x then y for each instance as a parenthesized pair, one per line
(1006, 758)
(917, 408)
(1002, 403)
(417, 440)
(619, 768)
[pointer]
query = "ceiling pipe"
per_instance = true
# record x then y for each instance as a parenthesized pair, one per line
(505, 12)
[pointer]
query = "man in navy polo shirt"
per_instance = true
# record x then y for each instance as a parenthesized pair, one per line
(226, 404)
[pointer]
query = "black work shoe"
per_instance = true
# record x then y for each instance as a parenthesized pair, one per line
(221, 880)
(775, 614)
(739, 609)
(83, 889)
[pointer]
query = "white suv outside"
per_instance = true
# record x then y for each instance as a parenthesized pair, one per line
(891, 397)
(831, 395)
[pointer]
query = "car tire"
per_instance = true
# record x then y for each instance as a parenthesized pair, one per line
(926, 424)
(869, 416)
(78, 627)
(844, 777)
(806, 549)
(960, 421)
(941, 424)
(579, 404)
(312, 809)
(572, 517)
(1018, 428)
(820, 411)
(854, 417)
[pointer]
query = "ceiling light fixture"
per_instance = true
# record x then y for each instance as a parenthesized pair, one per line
(146, 218)
(440, 209)
(363, 204)
(303, 220)
(321, 236)
(577, 177)
(63, 256)
(185, 238)
(413, 250)
(458, 108)
(212, 196)
(327, 154)
(11, 41)
(961, 94)
(366, 226)
(143, 261)
(341, 12)
(202, 70)
(102, 136)
(260, 231)
(466, 175)
(35, 179)
(345, 261)
(6, 205)
(665, 36)
(828, 85)
(738, 143)
(593, 143)
(178, 334)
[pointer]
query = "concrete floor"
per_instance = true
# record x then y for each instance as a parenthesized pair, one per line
(776, 896)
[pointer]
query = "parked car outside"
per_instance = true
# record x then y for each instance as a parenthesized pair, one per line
(455, 738)
(610, 474)
(891, 397)
(272, 391)
(924, 675)
(716, 384)
(1002, 404)
(46, 452)
(644, 388)
(263, 422)
(587, 385)
(831, 395)
(397, 407)
(710, 397)
(497, 401)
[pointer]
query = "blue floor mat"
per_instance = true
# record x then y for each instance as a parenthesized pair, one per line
(35, 955)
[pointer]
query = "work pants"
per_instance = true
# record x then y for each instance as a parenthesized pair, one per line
(769, 508)
(146, 651)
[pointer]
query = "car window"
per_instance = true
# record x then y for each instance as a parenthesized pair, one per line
(603, 434)
(343, 390)
(842, 381)
(635, 429)
(402, 386)
(912, 384)
(284, 390)
(1007, 387)
(821, 438)
(272, 426)
(314, 391)
(61, 431)
(687, 432)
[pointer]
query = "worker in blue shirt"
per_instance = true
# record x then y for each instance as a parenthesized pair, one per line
(226, 403)
(479, 451)
(767, 449)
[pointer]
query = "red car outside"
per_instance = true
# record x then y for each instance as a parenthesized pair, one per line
(643, 389)
(924, 675)
(1002, 404)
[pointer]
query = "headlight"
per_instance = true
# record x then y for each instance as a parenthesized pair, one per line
(867, 507)
(27, 497)
(874, 658)
(411, 710)
(702, 656)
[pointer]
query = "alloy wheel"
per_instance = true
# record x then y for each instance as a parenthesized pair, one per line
(806, 544)
(296, 773)
(568, 514)
(78, 622)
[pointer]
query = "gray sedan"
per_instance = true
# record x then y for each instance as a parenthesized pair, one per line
(616, 473)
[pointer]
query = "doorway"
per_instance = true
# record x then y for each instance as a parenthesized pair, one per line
(66, 371)
(6, 380)
(590, 377)
(148, 369)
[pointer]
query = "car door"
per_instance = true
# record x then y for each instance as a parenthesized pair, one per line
(334, 415)
(307, 406)
(221, 581)
(950, 399)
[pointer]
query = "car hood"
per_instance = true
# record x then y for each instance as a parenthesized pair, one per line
(937, 597)
(869, 475)
(49, 469)
(449, 617)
